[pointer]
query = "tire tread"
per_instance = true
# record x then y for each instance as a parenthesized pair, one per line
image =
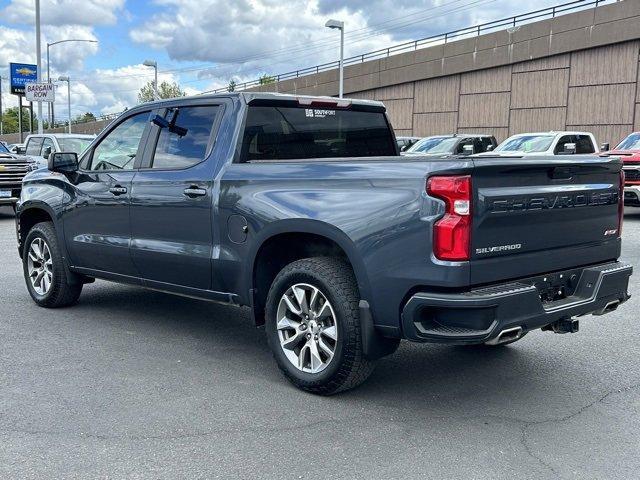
(63, 293)
(337, 273)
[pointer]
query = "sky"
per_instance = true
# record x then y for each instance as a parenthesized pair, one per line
(202, 44)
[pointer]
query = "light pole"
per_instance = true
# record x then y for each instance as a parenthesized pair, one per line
(49, 45)
(154, 64)
(38, 62)
(1, 113)
(65, 78)
(340, 26)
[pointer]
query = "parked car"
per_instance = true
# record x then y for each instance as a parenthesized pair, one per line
(406, 142)
(455, 144)
(17, 148)
(39, 146)
(13, 168)
(547, 143)
(629, 151)
(301, 209)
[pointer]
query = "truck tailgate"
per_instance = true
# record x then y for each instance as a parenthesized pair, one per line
(537, 215)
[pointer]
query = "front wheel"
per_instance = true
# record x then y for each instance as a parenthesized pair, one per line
(44, 269)
(313, 326)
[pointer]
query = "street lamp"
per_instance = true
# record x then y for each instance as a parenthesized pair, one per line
(38, 65)
(1, 114)
(154, 64)
(49, 45)
(340, 26)
(65, 78)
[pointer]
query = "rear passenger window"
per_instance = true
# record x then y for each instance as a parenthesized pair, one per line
(485, 144)
(47, 147)
(295, 133)
(33, 147)
(464, 143)
(584, 144)
(184, 142)
(562, 142)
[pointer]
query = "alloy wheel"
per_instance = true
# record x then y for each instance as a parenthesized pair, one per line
(307, 328)
(40, 266)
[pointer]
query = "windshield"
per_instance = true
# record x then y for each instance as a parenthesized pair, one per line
(434, 145)
(526, 143)
(3, 149)
(283, 132)
(74, 144)
(632, 142)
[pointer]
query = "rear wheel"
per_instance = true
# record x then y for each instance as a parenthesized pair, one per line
(313, 326)
(44, 270)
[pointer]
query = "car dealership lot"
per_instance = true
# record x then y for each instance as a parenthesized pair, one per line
(138, 384)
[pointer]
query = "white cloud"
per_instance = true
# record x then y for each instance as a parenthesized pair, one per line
(110, 90)
(241, 39)
(245, 38)
(64, 12)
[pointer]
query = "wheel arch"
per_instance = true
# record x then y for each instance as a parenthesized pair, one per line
(288, 240)
(29, 215)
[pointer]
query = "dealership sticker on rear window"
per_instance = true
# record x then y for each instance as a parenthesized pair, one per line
(311, 113)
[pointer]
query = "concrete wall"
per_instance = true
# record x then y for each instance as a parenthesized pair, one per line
(88, 128)
(576, 71)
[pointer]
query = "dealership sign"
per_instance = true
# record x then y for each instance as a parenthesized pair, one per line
(40, 92)
(21, 74)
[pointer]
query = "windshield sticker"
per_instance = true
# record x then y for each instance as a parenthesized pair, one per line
(311, 113)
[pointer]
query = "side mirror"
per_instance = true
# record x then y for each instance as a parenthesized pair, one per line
(46, 153)
(63, 162)
(21, 150)
(489, 148)
(605, 147)
(569, 148)
(467, 150)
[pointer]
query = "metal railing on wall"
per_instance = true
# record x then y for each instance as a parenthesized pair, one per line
(474, 31)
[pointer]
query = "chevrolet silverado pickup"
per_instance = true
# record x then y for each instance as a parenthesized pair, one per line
(546, 143)
(302, 209)
(629, 151)
(13, 168)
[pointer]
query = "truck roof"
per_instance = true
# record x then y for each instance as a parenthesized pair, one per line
(552, 132)
(249, 97)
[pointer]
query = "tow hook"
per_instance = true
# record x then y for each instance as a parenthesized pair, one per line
(564, 325)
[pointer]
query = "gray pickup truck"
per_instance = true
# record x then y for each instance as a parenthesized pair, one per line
(302, 209)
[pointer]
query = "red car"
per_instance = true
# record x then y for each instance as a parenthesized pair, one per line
(629, 150)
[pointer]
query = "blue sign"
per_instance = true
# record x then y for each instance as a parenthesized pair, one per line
(22, 73)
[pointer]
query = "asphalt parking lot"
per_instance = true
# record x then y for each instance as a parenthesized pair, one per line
(137, 384)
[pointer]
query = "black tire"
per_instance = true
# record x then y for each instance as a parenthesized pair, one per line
(335, 279)
(61, 293)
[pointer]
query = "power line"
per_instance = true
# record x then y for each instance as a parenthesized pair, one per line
(353, 37)
(309, 51)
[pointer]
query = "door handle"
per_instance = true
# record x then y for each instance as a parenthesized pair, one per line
(194, 191)
(118, 190)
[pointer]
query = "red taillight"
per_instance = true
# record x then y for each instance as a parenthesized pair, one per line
(452, 233)
(621, 204)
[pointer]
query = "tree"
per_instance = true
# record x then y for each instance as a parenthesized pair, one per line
(266, 79)
(10, 120)
(84, 118)
(232, 86)
(165, 90)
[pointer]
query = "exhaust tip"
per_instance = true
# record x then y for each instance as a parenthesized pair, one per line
(507, 335)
